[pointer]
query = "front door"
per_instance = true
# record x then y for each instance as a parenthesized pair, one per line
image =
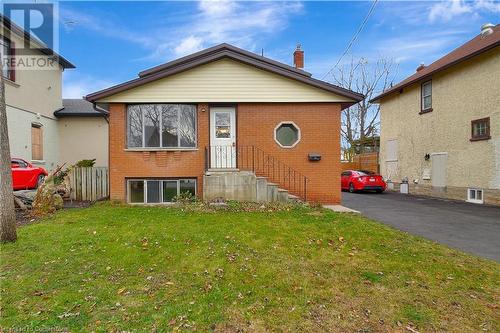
(222, 138)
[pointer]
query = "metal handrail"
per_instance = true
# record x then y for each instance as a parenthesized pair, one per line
(252, 158)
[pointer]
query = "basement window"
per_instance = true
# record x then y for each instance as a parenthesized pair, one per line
(158, 191)
(475, 195)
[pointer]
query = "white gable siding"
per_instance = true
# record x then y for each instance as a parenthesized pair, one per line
(225, 81)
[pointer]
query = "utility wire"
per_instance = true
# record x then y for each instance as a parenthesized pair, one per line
(361, 27)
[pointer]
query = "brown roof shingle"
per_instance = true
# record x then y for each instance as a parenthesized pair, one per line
(219, 52)
(475, 46)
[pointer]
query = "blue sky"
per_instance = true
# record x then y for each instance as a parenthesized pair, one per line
(110, 42)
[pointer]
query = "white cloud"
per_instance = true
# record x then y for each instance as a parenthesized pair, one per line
(71, 20)
(189, 45)
(244, 24)
(217, 8)
(420, 46)
(227, 21)
(446, 11)
(77, 86)
(488, 5)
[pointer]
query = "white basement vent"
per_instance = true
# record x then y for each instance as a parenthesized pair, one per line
(475, 195)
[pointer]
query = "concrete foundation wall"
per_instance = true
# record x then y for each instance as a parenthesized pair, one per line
(490, 196)
(241, 186)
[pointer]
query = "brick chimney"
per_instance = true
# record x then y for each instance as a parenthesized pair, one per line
(298, 57)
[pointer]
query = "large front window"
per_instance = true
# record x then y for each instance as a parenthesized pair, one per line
(159, 190)
(161, 126)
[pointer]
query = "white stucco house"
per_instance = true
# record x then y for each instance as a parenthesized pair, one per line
(440, 127)
(43, 129)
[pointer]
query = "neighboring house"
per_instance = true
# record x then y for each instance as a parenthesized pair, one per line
(83, 132)
(210, 117)
(440, 127)
(43, 129)
(31, 96)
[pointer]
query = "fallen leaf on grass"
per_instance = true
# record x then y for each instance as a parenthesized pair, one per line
(68, 314)
(411, 329)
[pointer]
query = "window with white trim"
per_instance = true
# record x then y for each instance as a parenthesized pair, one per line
(7, 58)
(426, 96)
(161, 126)
(287, 134)
(475, 195)
(480, 129)
(155, 191)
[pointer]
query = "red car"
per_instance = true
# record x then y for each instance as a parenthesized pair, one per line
(25, 175)
(361, 180)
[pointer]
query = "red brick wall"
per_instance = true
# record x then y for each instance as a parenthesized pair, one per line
(319, 124)
(320, 132)
(130, 164)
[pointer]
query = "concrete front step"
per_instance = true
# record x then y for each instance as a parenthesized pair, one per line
(293, 198)
(243, 186)
(282, 195)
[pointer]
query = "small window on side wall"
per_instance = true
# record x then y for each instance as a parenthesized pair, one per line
(480, 129)
(36, 142)
(287, 134)
(7, 54)
(426, 93)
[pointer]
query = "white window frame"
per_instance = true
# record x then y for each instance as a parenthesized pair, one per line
(475, 200)
(160, 147)
(299, 133)
(161, 180)
(424, 96)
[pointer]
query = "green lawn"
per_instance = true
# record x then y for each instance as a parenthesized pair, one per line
(113, 267)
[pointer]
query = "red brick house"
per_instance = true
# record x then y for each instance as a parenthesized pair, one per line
(225, 122)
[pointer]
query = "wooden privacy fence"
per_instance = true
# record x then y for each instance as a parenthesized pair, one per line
(365, 161)
(89, 183)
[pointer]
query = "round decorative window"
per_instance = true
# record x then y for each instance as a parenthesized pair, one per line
(287, 134)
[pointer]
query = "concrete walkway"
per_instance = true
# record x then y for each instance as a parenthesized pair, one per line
(340, 209)
(469, 227)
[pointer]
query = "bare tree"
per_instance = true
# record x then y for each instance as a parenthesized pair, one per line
(7, 212)
(362, 121)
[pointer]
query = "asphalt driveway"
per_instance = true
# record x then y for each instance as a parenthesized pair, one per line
(469, 227)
